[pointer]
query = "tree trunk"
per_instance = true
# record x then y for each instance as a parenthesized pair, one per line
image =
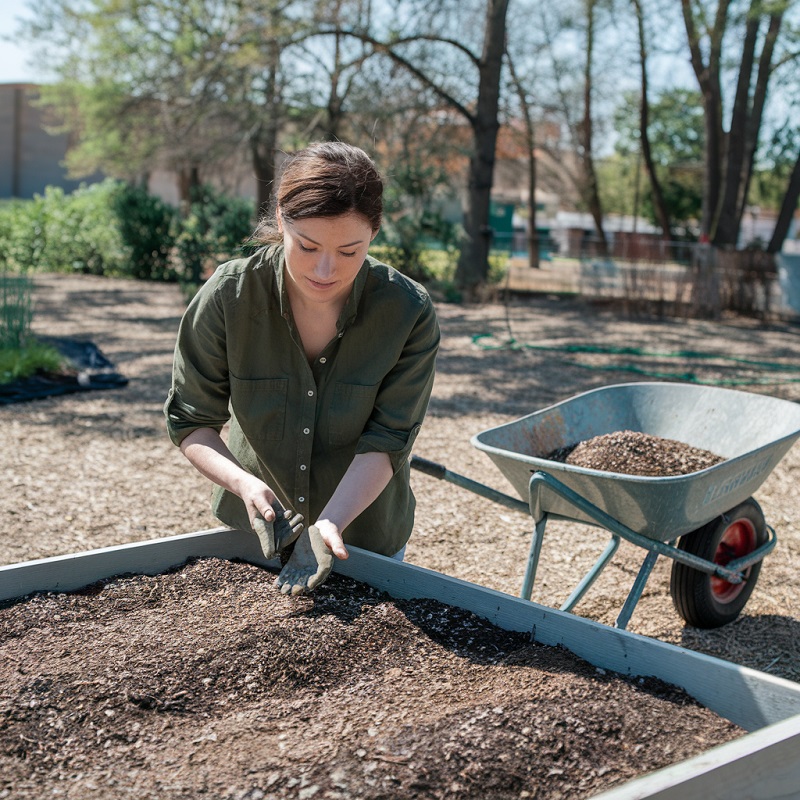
(262, 152)
(745, 125)
(334, 100)
(662, 214)
(530, 140)
(786, 214)
(473, 262)
(708, 79)
(591, 187)
(264, 136)
(188, 184)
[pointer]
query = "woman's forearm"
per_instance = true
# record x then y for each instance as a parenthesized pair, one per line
(208, 453)
(366, 477)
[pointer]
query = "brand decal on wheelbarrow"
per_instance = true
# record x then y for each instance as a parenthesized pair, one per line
(721, 489)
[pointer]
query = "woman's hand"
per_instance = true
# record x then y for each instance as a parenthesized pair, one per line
(275, 526)
(311, 560)
(259, 500)
(332, 538)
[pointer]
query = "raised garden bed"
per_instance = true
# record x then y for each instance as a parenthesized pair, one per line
(289, 717)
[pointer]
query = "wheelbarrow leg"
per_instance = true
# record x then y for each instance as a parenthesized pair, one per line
(533, 558)
(591, 576)
(635, 593)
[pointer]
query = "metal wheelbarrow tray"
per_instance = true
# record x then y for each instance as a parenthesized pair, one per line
(723, 535)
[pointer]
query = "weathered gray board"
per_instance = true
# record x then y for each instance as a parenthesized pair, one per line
(764, 764)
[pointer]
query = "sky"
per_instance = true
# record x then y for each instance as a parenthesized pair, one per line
(14, 67)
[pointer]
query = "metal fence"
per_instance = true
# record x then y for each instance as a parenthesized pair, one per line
(645, 272)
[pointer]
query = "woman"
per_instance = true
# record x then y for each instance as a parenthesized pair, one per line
(322, 359)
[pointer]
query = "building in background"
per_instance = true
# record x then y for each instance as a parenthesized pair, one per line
(30, 157)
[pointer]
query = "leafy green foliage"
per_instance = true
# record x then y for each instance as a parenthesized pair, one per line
(112, 228)
(20, 354)
(21, 233)
(16, 309)
(677, 138)
(146, 226)
(56, 232)
(773, 169)
(410, 221)
(217, 227)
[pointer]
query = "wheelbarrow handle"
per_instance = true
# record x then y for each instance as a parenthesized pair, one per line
(429, 467)
(441, 472)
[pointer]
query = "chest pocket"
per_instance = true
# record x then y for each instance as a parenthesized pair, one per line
(260, 407)
(350, 410)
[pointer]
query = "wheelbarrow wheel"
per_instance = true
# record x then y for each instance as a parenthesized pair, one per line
(706, 601)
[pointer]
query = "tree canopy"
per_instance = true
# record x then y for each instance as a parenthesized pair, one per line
(187, 84)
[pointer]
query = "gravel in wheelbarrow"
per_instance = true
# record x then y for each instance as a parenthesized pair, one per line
(636, 453)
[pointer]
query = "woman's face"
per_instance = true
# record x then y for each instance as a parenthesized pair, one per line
(324, 254)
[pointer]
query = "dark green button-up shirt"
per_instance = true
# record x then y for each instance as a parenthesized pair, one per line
(297, 425)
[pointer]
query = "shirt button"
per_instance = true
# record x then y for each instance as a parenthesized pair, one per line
(301, 499)
(310, 393)
(302, 467)
(323, 360)
(306, 431)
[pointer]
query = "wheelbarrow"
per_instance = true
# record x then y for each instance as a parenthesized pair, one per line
(706, 522)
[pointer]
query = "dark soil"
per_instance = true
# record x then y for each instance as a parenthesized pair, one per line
(636, 453)
(207, 682)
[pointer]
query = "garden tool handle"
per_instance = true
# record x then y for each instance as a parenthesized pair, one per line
(429, 467)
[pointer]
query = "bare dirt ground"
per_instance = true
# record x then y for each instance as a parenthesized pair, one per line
(94, 469)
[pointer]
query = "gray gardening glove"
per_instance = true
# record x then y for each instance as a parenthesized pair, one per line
(275, 536)
(308, 566)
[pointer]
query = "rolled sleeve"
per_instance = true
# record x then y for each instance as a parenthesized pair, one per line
(199, 397)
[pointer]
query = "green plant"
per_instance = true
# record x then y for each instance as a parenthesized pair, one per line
(16, 310)
(217, 227)
(20, 354)
(145, 225)
(112, 228)
(21, 233)
(81, 233)
(22, 362)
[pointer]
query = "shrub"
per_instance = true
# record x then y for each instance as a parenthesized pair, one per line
(112, 228)
(57, 232)
(145, 224)
(81, 232)
(22, 225)
(216, 228)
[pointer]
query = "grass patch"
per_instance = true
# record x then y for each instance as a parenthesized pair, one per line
(22, 362)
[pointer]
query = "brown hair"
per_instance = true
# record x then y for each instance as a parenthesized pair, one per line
(325, 179)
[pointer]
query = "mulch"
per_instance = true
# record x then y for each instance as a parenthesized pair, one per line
(636, 453)
(206, 681)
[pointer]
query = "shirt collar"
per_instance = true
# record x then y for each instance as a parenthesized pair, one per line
(351, 306)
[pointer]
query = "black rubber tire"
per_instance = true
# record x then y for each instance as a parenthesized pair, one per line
(703, 600)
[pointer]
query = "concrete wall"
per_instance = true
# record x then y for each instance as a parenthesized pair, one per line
(30, 158)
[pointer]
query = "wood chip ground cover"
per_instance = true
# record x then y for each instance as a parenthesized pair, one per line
(207, 682)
